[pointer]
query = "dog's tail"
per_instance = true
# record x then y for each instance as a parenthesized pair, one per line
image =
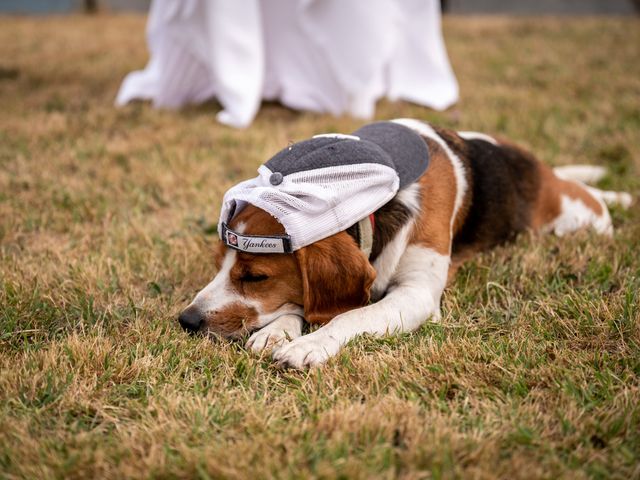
(582, 173)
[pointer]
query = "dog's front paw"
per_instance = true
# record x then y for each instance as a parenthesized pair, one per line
(264, 340)
(308, 351)
(275, 334)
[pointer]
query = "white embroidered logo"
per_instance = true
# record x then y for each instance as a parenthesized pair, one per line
(248, 243)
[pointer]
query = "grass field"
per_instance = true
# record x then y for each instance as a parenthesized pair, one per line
(107, 224)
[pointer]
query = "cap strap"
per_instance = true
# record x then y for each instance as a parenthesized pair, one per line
(256, 243)
(365, 237)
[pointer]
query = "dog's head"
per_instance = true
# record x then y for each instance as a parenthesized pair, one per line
(249, 291)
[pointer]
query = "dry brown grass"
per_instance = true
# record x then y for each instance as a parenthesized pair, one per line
(106, 229)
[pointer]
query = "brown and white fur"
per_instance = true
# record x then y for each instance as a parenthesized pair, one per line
(478, 192)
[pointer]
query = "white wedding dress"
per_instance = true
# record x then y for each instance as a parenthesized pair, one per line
(336, 56)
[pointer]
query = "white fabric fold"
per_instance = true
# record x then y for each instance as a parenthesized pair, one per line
(330, 56)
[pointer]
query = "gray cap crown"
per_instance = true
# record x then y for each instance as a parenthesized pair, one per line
(408, 149)
(384, 143)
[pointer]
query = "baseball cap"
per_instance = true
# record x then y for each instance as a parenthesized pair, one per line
(321, 186)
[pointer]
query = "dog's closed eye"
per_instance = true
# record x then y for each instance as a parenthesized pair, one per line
(253, 278)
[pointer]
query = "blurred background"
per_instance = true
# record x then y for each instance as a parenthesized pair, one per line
(582, 7)
(323, 57)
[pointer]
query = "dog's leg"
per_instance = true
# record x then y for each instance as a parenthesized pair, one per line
(413, 297)
(576, 215)
(589, 174)
(282, 329)
(565, 206)
(609, 197)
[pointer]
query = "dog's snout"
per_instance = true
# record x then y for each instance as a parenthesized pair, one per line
(191, 319)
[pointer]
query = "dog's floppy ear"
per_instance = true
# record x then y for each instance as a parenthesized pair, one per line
(336, 277)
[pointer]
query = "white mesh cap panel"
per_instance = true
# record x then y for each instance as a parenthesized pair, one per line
(315, 204)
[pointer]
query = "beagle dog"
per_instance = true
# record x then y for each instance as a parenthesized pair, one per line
(386, 273)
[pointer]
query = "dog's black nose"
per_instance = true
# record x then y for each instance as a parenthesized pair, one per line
(191, 319)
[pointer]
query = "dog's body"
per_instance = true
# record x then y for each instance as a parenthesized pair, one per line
(478, 192)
